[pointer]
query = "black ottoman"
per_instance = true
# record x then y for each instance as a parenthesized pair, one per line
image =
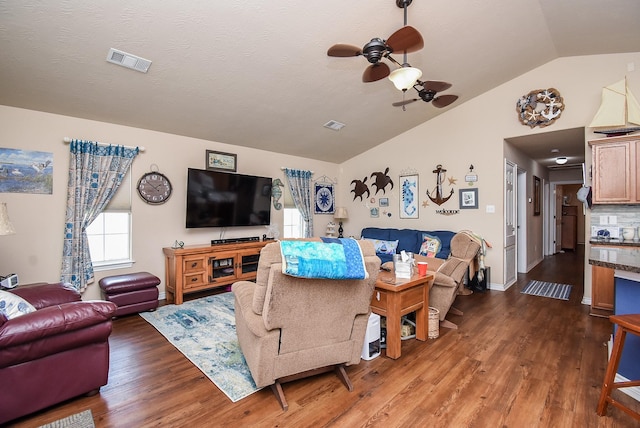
(132, 292)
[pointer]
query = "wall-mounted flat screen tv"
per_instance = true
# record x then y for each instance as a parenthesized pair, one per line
(222, 199)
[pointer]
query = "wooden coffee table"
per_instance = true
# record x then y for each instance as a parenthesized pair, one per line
(394, 298)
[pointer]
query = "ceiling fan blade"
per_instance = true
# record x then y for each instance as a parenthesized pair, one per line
(436, 86)
(342, 50)
(406, 39)
(404, 102)
(375, 72)
(444, 100)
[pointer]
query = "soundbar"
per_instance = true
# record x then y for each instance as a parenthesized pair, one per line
(235, 240)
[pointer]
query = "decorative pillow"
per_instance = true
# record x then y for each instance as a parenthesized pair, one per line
(430, 245)
(12, 306)
(384, 247)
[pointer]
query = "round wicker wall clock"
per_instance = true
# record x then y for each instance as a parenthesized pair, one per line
(154, 188)
(540, 107)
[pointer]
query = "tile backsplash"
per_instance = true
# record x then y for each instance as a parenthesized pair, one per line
(614, 216)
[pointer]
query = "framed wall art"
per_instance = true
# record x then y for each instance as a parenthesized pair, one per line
(536, 195)
(324, 198)
(468, 199)
(220, 161)
(26, 171)
(409, 196)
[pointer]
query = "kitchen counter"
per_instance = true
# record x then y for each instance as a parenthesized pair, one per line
(623, 258)
(615, 241)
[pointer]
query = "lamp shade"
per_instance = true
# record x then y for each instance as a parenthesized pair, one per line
(6, 228)
(405, 77)
(341, 213)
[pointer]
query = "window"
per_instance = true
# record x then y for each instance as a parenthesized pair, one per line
(293, 223)
(110, 238)
(110, 233)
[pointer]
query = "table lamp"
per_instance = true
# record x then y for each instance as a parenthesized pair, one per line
(340, 214)
(6, 228)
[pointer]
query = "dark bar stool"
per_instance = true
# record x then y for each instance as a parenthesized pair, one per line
(626, 324)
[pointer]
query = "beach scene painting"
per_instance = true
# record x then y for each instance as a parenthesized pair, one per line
(25, 171)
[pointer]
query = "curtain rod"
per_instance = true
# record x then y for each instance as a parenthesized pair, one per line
(284, 167)
(68, 140)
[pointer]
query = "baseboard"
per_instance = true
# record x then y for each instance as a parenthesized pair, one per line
(534, 264)
(498, 287)
(632, 391)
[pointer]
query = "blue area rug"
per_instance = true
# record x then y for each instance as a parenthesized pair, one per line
(204, 330)
(548, 289)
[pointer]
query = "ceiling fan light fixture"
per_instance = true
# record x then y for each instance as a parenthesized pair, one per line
(561, 160)
(405, 77)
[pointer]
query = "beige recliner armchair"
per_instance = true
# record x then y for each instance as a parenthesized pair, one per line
(289, 328)
(449, 276)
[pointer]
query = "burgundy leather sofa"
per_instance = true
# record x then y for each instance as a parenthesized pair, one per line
(58, 352)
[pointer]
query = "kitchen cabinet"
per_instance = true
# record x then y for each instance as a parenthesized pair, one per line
(602, 283)
(606, 261)
(615, 163)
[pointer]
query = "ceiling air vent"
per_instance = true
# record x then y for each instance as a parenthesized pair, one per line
(334, 124)
(127, 60)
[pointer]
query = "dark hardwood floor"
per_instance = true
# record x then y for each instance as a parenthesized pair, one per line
(515, 361)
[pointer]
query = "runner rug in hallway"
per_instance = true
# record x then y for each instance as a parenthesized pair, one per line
(547, 289)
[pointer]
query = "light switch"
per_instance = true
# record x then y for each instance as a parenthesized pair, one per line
(604, 220)
(491, 208)
(613, 220)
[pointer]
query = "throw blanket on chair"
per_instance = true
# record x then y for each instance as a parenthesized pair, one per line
(337, 258)
(481, 254)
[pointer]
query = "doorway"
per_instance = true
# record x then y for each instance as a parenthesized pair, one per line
(563, 193)
(521, 197)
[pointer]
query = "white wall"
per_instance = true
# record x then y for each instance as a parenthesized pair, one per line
(35, 251)
(473, 133)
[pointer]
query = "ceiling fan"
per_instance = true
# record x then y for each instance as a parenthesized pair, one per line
(427, 92)
(406, 39)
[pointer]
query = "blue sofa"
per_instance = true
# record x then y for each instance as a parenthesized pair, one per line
(449, 265)
(409, 240)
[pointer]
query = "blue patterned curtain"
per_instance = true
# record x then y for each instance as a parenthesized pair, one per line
(95, 173)
(300, 187)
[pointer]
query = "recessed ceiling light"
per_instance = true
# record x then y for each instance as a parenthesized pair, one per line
(555, 151)
(561, 160)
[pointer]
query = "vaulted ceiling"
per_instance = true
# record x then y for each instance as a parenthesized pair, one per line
(256, 73)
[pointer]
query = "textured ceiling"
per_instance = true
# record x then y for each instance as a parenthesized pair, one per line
(255, 73)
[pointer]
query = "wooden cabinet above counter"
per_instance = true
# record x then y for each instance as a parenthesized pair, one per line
(615, 163)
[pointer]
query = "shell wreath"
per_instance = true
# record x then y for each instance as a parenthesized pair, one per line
(540, 107)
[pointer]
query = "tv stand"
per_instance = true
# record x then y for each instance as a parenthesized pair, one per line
(196, 268)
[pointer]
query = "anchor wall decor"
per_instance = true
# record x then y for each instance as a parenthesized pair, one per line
(439, 198)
